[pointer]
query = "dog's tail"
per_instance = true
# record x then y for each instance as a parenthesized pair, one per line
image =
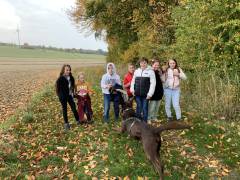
(172, 125)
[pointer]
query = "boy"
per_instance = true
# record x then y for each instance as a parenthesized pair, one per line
(143, 86)
(110, 80)
(128, 79)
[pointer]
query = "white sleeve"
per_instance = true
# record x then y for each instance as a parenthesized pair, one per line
(103, 82)
(133, 82)
(182, 75)
(152, 84)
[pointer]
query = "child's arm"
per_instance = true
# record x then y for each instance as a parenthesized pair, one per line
(104, 85)
(126, 83)
(89, 89)
(152, 84)
(132, 83)
(118, 80)
(75, 92)
(182, 75)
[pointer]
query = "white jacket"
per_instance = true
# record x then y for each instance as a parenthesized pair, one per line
(109, 79)
(170, 81)
(148, 72)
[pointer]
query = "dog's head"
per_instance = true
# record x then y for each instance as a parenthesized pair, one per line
(128, 113)
(127, 105)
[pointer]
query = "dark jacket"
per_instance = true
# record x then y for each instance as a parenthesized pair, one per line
(62, 86)
(141, 86)
(158, 93)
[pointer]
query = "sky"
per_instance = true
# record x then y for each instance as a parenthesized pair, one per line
(43, 22)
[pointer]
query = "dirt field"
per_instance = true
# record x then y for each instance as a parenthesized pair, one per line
(20, 78)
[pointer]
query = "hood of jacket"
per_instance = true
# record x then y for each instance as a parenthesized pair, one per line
(114, 68)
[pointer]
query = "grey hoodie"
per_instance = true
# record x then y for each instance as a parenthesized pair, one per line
(109, 79)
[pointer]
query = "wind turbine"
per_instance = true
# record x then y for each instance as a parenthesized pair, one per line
(18, 33)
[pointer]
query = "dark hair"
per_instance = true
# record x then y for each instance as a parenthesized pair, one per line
(176, 67)
(154, 60)
(63, 69)
(143, 59)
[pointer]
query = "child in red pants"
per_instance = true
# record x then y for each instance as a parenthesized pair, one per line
(83, 91)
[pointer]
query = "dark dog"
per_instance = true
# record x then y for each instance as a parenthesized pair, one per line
(148, 135)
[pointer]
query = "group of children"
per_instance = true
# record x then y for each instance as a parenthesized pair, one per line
(146, 85)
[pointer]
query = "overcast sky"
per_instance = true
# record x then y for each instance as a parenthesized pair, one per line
(43, 22)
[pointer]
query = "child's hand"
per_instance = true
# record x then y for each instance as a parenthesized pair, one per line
(109, 86)
(148, 97)
(175, 72)
(164, 68)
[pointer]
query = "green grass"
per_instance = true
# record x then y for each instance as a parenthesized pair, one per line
(218, 137)
(15, 52)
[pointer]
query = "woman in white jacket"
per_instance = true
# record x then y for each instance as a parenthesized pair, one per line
(171, 78)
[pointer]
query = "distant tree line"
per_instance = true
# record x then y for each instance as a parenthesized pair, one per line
(69, 50)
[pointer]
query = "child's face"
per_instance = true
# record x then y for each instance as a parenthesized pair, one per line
(67, 71)
(143, 64)
(155, 66)
(81, 78)
(110, 69)
(172, 64)
(131, 69)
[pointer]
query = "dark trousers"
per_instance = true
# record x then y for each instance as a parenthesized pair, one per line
(142, 108)
(84, 107)
(70, 101)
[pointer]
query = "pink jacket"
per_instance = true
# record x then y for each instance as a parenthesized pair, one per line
(170, 81)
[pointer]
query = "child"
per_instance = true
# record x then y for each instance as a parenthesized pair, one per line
(143, 86)
(171, 78)
(83, 91)
(127, 81)
(154, 102)
(65, 89)
(110, 81)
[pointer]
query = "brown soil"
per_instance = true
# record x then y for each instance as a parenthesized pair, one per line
(20, 79)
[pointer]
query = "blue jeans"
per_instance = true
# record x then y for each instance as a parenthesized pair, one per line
(142, 108)
(172, 96)
(107, 102)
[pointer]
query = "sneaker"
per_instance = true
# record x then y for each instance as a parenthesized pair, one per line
(90, 121)
(81, 122)
(66, 126)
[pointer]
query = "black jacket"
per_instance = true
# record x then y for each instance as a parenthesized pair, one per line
(158, 93)
(62, 86)
(141, 86)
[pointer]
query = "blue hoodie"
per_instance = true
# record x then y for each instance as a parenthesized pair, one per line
(109, 79)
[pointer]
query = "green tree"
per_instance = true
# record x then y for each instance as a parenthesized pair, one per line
(207, 33)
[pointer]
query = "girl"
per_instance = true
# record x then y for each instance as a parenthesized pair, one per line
(83, 90)
(154, 102)
(143, 86)
(171, 78)
(65, 89)
(110, 81)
